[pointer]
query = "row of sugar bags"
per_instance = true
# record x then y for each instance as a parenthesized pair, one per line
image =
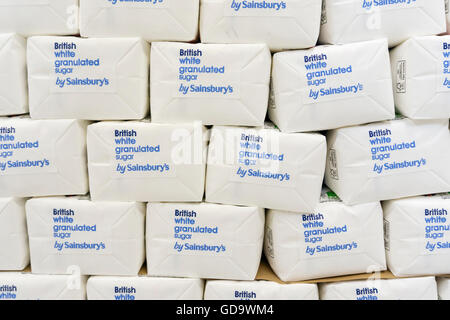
(214, 241)
(26, 286)
(287, 24)
(74, 235)
(263, 167)
(108, 79)
(423, 288)
(319, 89)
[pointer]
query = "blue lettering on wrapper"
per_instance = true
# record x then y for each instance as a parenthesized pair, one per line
(238, 5)
(369, 4)
(114, 2)
(8, 292)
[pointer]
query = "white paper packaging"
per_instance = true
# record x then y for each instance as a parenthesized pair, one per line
(93, 79)
(204, 240)
(144, 288)
(42, 157)
(388, 160)
(160, 20)
(386, 289)
(27, 286)
(345, 21)
(265, 168)
(418, 235)
(39, 17)
(443, 288)
(259, 290)
(225, 84)
(421, 77)
(14, 253)
(93, 238)
(142, 161)
(329, 87)
(335, 239)
(288, 24)
(447, 11)
(13, 75)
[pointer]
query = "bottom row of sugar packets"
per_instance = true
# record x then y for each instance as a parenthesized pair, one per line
(28, 286)
(67, 239)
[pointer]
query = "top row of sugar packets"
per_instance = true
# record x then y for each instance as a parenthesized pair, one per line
(281, 24)
(323, 88)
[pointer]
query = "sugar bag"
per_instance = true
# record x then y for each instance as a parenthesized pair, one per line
(346, 21)
(287, 24)
(265, 168)
(421, 77)
(39, 17)
(94, 79)
(386, 289)
(92, 238)
(204, 240)
(13, 75)
(142, 161)
(144, 288)
(14, 252)
(27, 286)
(42, 157)
(225, 84)
(334, 239)
(418, 235)
(388, 160)
(259, 290)
(443, 288)
(329, 87)
(155, 20)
